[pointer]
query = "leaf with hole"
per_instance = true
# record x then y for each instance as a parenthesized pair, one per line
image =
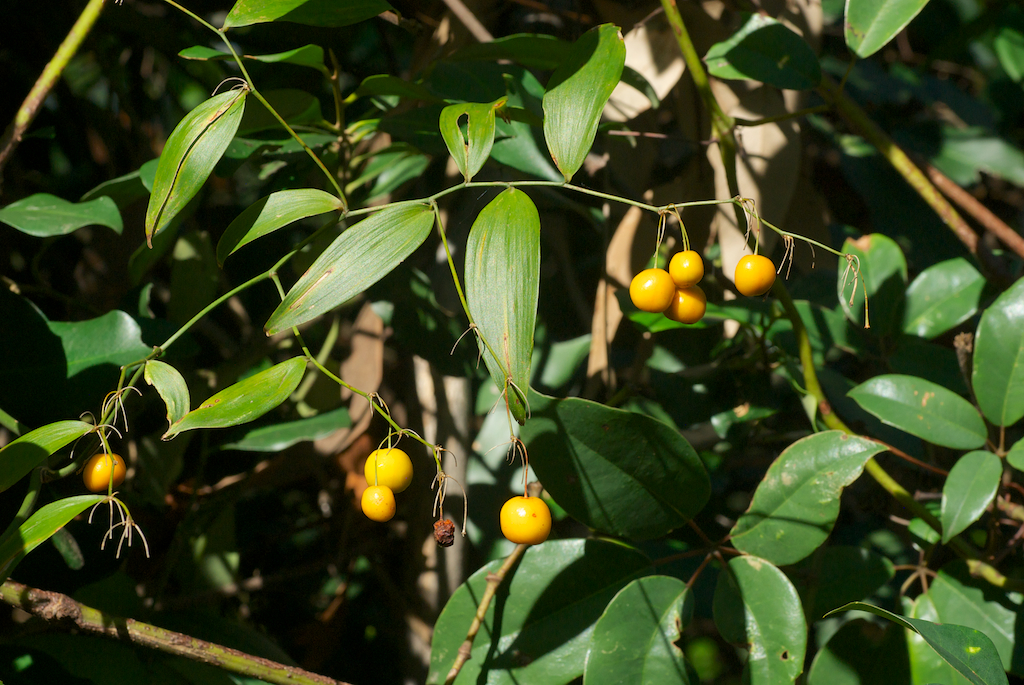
(797, 503)
(362, 255)
(470, 149)
(244, 401)
(502, 289)
(924, 409)
(577, 93)
(189, 156)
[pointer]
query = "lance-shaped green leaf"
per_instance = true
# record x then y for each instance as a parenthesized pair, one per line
(870, 24)
(283, 435)
(39, 528)
(171, 387)
(502, 287)
(538, 628)
(924, 409)
(577, 93)
(756, 606)
(998, 377)
(273, 212)
(969, 489)
(764, 49)
(310, 12)
(635, 639)
(941, 297)
(797, 503)
(362, 255)
(969, 651)
(306, 56)
(192, 150)
(244, 401)
(469, 150)
(44, 215)
(616, 471)
(22, 455)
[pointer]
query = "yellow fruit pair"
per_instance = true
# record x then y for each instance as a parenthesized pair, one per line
(387, 471)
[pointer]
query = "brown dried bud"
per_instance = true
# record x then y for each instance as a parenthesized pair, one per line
(444, 532)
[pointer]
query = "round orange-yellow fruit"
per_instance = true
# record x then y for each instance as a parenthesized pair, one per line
(378, 503)
(525, 520)
(688, 305)
(102, 470)
(686, 268)
(651, 290)
(389, 466)
(755, 275)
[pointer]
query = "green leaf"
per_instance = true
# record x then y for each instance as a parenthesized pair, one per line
(1009, 47)
(924, 409)
(969, 489)
(306, 56)
(273, 212)
(870, 24)
(797, 503)
(124, 190)
(502, 288)
(283, 435)
(862, 653)
(171, 387)
(192, 150)
(538, 51)
(469, 150)
(386, 84)
(838, 574)
(616, 471)
(756, 607)
(635, 639)
(967, 650)
(915, 356)
(39, 527)
(387, 170)
(1015, 457)
(310, 12)
(966, 152)
(883, 275)
(998, 377)
(112, 339)
(926, 666)
(244, 401)
(539, 627)
(295, 107)
(44, 215)
(362, 255)
(942, 297)
(763, 49)
(22, 455)
(577, 93)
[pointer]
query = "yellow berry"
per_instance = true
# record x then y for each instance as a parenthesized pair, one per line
(525, 520)
(686, 268)
(688, 305)
(389, 466)
(652, 290)
(378, 503)
(97, 473)
(755, 275)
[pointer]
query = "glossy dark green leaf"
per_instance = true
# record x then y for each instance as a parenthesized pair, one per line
(967, 650)
(915, 356)
(765, 50)
(962, 599)
(616, 471)
(502, 288)
(44, 215)
(797, 503)
(870, 24)
(884, 276)
(1009, 47)
(283, 435)
(998, 377)
(862, 653)
(39, 527)
(362, 255)
(926, 666)
(244, 401)
(837, 574)
(538, 629)
(942, 297)
(310, 12)
(30, 450)
(756, 607)
(171, 387)
(190, 153)
(470, 149)
(306, 56)
(577, 93)
(112, 339)
(969, 489)
(273, 212)
(635, 639)
(924, 409)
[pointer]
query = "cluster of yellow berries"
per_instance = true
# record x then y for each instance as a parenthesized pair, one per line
(676, 294)
(524, 520)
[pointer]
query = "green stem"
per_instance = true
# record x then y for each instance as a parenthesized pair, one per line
(35, 482)
(34, 100)
(67, 613)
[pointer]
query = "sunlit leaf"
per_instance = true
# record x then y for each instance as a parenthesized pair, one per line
(171, 387)
(969, 489)
(30, 450)
(998, 377)
(870, 24)
(44, 215)
(469, 150)
(39, 527)
(273, 212)
(311, 12)
(942, 297)
(280, 436)
(306, 56)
